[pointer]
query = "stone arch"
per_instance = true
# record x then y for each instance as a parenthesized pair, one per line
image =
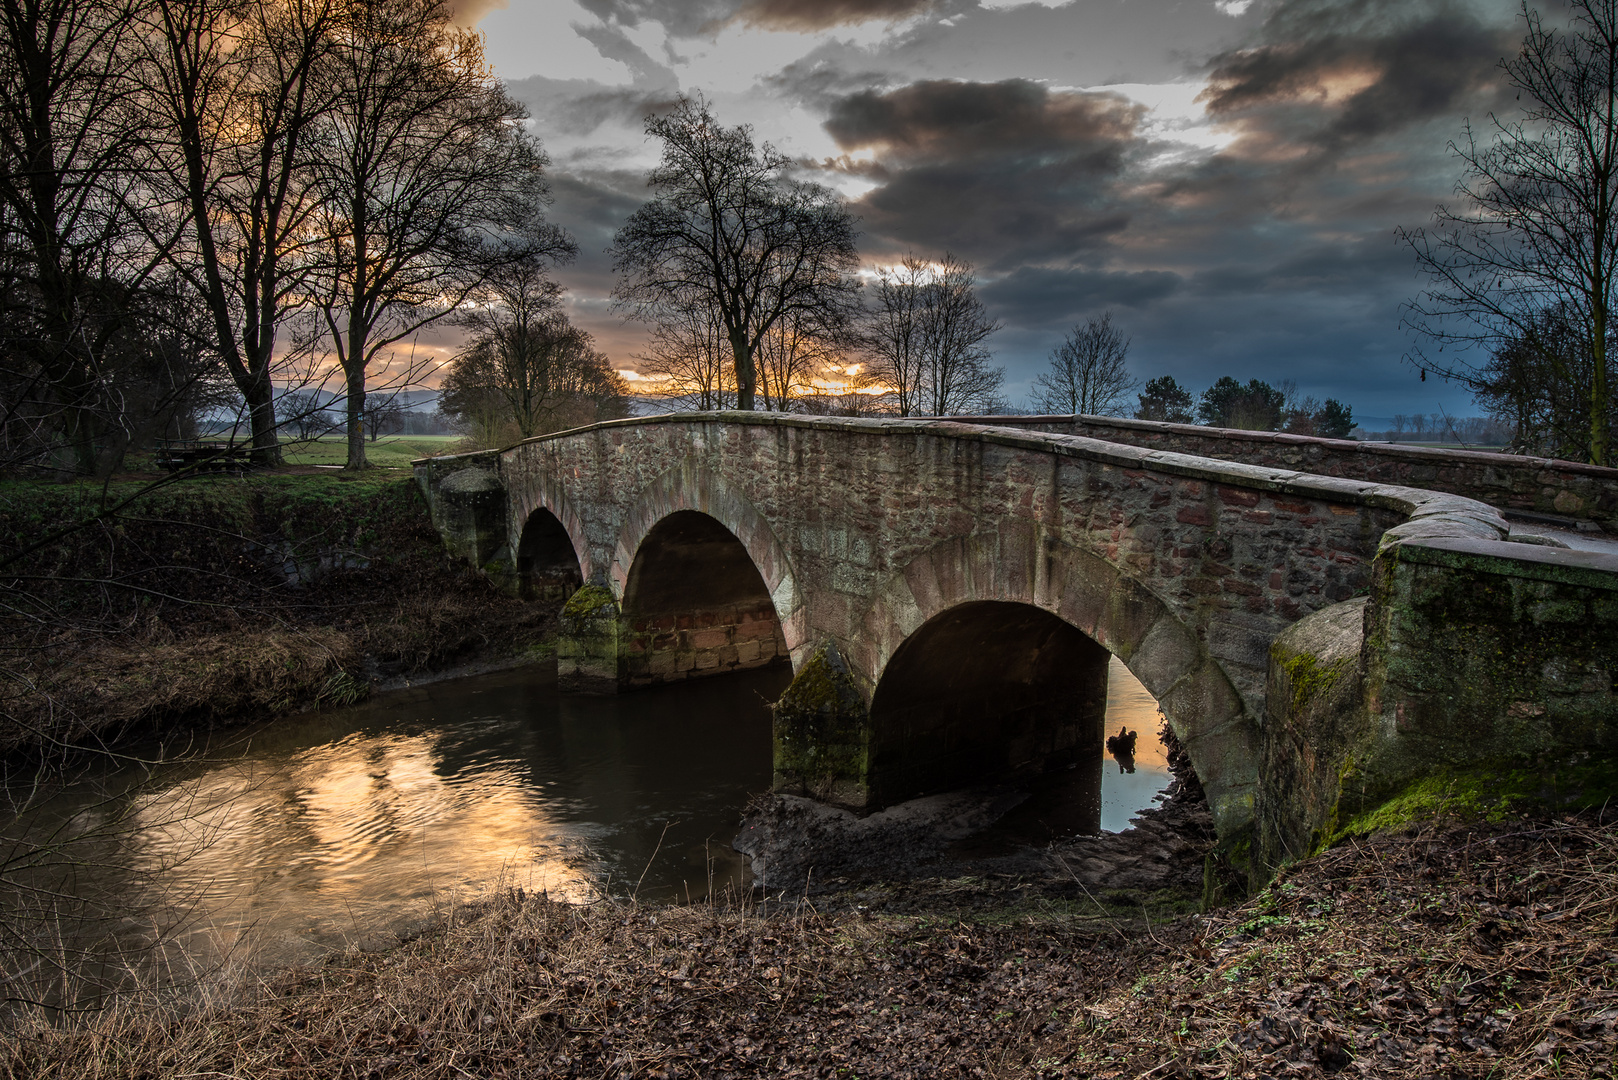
(691, 487)
(1024, 563)
(546, 563)
(544, 494)
(983, 690)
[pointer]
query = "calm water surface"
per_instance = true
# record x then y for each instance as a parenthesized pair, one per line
(350, 826)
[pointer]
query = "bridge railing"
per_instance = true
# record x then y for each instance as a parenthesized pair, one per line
(1568, 491)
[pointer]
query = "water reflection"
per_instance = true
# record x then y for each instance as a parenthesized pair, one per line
(1122, 748)
(351, 826)
(1088, 796)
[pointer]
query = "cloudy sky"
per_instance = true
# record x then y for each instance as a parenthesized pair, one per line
(1225, 175)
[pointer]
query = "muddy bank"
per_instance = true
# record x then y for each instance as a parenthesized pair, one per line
(224, 600)
(801, 848)
(988, 846)
(1451, 951)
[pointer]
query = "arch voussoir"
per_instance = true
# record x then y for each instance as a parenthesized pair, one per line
(1020, 563)
(690, 486)
(546, 494)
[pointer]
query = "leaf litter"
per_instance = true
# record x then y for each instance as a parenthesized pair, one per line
(1454, 950)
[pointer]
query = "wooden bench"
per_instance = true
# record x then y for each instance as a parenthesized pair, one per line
(203, 455)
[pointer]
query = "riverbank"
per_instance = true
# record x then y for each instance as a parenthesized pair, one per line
(231, 599)
(1465, 950)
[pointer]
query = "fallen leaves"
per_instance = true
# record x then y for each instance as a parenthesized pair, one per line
(1455, 953)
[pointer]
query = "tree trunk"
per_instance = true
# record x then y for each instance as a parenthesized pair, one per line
(746, 376)
(1600, 401)
(259, 395)
(356, 416)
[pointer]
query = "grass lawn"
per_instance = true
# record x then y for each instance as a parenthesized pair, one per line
(390, 451)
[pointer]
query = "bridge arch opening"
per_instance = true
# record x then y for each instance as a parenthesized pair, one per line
(695, 604)
(547, 565)
(982, 691)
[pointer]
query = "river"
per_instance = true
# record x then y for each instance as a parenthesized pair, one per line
(352, 826)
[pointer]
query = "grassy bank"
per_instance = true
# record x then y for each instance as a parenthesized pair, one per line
(1457, 951)
(222, 598)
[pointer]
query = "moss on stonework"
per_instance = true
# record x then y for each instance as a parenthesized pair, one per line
(588, 603)
(1309, 678)
(1487, 795)
(820, 726)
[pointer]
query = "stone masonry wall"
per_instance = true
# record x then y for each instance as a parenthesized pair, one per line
(670, 648)
(862, 530)
(1506, 481)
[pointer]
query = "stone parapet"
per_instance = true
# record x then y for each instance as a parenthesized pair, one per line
(1512, 482)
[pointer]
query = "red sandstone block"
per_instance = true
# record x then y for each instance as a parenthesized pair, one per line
(1194, 515)
(1294, 508)
(1237, 497)
(1258, 517)
(709, 639)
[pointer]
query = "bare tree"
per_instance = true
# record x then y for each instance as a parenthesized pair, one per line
(689, 361)
(304, 412)
(1089, 372)
(958, 376)
(923, 334)
(526, 365)
(893, 334)
(428, 185)
(236, 100)
(793, 357)
(73, 270)
(1523, 385)
(729, 232)
(1537, 226)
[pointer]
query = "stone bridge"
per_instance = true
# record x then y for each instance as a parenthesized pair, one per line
(948, 595)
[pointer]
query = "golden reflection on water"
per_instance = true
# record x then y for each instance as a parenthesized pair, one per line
(1123, 795)
(349, 828)
(346, 842)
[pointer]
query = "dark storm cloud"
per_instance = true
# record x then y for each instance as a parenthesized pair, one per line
(808, 15)
(997, 172)
(1332, 268)
(1348, 72)
(1035, 296)
(682, 18)
(943, 120)
(698, 18)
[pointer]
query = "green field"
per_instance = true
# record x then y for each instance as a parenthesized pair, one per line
(390, 451)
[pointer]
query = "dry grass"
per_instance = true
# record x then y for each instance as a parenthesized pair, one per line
(93, 690)
(1453, 953)
(1449, 952)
